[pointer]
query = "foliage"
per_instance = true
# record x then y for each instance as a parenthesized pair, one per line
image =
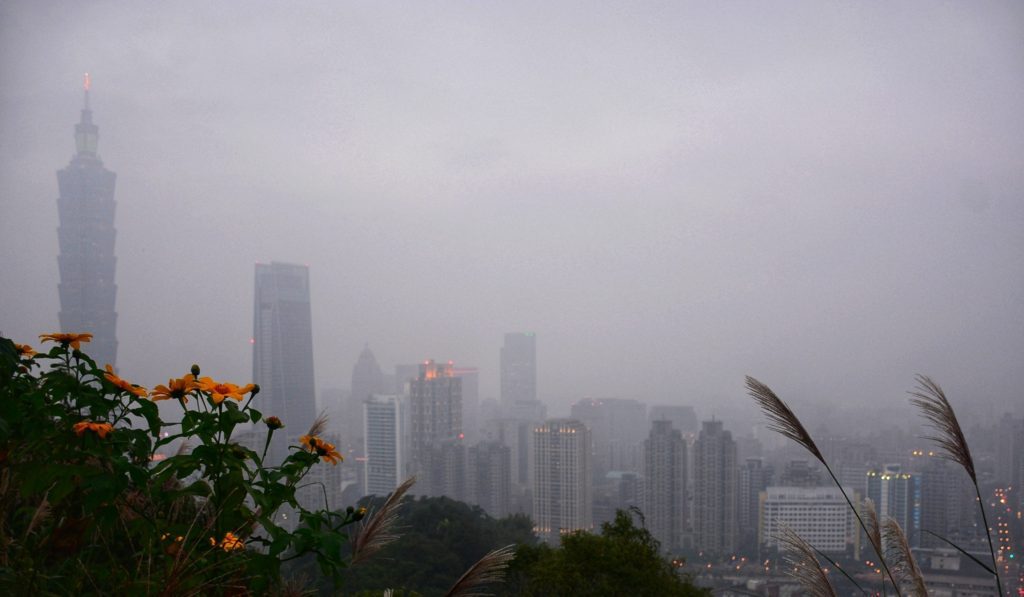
(440, 539)
(89, 503)
(623, 560)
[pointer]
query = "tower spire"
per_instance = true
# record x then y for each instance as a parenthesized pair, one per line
(86, 84)
(86, 133)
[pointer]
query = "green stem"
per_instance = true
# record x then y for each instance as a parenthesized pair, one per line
(988, 534)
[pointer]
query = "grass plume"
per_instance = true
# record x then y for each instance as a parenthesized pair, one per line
(897, 550)
(781, 417)
(806, 569)
(487, 570)
(929, 398)
(377, 529)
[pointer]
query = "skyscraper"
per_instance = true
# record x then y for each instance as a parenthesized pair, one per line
(665, 484)
(519, 368)
(562, 498)
(86, 237)
(435, 402)
(490, 476)
(618, 427)
(715, 489)
(897, 495)
(384, 438)
(282, 350)
(754, 477)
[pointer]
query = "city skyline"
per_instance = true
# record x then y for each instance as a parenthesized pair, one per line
(679, 205)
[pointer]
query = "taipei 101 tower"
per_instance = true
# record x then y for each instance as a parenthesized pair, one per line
(86, 234)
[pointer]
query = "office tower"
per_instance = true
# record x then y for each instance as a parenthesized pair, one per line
(820, 515)
(490, 477)
(435, 403)
(618, 427)
(715, 484)
(665, 485)
(519, 368)
(754, 478)
(86, 238)
(683, 417)
(470, 377)
(367, 380)
(282, 351)
(562, 479)
(897, 495)
(384, 438)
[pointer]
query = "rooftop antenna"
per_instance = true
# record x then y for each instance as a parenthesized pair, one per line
(86, 84)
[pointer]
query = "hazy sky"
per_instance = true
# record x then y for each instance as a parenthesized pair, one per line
(828, 196)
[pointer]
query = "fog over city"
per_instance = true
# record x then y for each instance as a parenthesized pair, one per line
(829, 197)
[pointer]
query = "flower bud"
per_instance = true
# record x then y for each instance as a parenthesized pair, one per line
(195, 370)
(273, 423)
(255, 389)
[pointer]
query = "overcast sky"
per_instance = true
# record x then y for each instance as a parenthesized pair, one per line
(828, 196)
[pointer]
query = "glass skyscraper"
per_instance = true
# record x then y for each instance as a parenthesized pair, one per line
(282, 351)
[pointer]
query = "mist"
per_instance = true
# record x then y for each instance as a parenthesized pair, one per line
(670, 195)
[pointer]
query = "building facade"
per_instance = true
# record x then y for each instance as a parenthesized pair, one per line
(562, 499)
(820, 515)
(384, 438)
(282, 351)
(435, 403)
(715, 490)
(664, 492)
(86, 234)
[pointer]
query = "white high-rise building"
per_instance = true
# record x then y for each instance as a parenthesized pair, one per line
(820, 515)
(562, 499)
(385, 443)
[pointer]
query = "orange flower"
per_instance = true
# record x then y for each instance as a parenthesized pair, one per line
(25, 350)
(123, 385)
(75, 340)
(219, 390)
(100, 429)
(325, 450)
(229, 543)
(175, 388)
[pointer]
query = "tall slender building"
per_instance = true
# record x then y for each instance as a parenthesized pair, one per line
(562, 498)
(519, 368)
(665, 484)
(435, 404)
(282, 350)
(385, 446)
(86, 237)
(715, 489)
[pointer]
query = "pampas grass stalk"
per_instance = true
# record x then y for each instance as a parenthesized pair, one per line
(898, 549)
(806, 567)
(784, 421)
(377, 529)
(488, 569)
(929, 398)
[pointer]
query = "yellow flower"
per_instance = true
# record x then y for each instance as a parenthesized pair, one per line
(175, 388)
(229, 543)
(325, 450)
(100, 429)
(25, 350)
(219, 390)
(74, 340)
(121, 384)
